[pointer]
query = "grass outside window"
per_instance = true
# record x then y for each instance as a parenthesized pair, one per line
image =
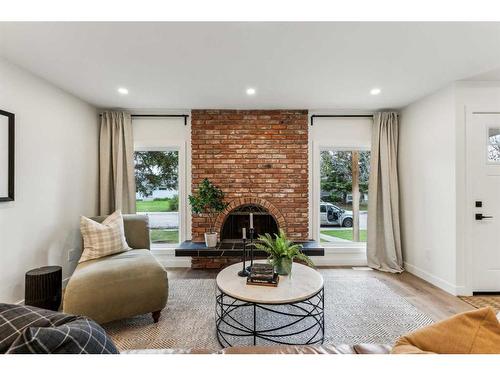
(157, 205)
(164, 236)
(344, 234)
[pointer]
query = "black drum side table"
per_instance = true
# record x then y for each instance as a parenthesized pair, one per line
(43, 287)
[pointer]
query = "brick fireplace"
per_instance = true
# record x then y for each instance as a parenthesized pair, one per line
(259, 159)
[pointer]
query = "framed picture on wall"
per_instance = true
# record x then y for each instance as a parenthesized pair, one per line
(7, 121)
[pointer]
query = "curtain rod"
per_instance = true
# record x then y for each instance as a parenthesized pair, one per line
(184, 116)
(351, 116)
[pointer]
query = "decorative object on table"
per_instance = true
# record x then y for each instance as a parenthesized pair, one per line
(282, 252)
(43, 287)
(272, 282)
(208, 200)
(252, 246)
(244, 272)
(263, 274)
(262, 270)
(251, 232)
(7, 121)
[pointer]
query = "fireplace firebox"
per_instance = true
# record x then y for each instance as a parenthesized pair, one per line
(239, 218)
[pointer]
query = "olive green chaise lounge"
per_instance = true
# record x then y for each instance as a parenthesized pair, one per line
(120, 285)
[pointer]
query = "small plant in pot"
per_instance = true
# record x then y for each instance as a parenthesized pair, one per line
(282, 252)
(208, 200)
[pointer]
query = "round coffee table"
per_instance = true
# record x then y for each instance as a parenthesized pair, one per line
(291, 313)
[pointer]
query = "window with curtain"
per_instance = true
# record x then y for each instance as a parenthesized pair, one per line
(343, 203)
(157, 193)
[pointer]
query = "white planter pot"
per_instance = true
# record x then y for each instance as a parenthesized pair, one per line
(211, 239)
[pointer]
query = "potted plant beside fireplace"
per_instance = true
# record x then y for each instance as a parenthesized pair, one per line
(208, 200)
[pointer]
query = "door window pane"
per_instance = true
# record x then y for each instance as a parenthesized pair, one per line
(344, 181)
(494, 145)
(157, 193)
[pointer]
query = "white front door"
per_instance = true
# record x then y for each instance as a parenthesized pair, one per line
(483, 200)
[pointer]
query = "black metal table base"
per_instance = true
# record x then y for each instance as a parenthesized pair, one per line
(240, 323)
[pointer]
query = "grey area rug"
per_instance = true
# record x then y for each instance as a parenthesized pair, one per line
(357, 310)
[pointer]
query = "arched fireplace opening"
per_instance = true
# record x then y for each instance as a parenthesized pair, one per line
(239, 218)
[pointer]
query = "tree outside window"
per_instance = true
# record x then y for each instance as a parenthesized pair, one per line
(344, 190)
(157, 193)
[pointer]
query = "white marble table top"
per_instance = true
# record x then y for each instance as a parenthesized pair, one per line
(303, 283)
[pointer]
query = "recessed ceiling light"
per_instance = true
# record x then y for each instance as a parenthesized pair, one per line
(375, 91)
(250, 91)
(122, 91)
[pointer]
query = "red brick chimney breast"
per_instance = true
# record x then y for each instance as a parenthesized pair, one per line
(254, 156)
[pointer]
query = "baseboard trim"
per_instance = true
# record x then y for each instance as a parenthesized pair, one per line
(430, 278)
(463, 291)
(332, 258)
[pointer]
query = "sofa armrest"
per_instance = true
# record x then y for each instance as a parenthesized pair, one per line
(372, 349)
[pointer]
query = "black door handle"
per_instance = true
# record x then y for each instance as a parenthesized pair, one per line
(481, 217)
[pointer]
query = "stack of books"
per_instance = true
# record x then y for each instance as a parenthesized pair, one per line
(263, 274)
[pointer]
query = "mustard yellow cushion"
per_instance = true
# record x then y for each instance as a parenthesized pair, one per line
(472, 332)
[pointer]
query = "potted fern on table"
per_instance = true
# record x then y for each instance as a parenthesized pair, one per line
(282, 252)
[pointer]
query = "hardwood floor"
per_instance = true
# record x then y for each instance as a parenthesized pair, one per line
(431, 300)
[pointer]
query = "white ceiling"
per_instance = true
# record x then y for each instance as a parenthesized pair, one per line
(291, 65)
(492, 75)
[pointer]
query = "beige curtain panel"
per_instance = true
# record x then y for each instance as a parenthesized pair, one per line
(384, 237)
(116, 164)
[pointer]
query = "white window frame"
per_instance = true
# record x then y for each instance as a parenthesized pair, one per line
(316, 197)
(181, 181)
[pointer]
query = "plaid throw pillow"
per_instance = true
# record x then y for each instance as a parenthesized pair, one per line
(14, 319)
(102, 239)
(81, 336)
(28, 329)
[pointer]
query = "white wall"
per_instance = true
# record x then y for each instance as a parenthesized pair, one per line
(427, 178)
(56, 177)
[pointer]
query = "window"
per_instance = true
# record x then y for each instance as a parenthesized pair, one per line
(494, 145)
(157, 193)
(344, 196)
